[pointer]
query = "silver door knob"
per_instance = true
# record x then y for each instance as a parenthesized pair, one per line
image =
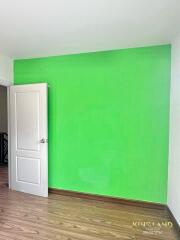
(43, 140)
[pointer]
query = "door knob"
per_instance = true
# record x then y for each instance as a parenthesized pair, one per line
(43, 140)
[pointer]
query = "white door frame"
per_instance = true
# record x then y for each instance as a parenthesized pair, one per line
(8, 84)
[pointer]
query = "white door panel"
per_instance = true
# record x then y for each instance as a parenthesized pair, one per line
(23, 173)
(28, 125)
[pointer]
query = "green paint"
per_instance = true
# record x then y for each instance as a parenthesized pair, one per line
(108, 120)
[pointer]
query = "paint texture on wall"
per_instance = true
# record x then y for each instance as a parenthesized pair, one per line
(108, 120)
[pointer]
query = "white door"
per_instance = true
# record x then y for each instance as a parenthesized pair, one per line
(28, 139)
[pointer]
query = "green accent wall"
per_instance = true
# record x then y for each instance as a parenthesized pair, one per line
(108, 120)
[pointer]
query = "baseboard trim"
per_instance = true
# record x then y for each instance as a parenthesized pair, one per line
(102, 198)
(176, 225)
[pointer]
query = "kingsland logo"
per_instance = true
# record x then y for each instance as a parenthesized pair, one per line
(165, 224)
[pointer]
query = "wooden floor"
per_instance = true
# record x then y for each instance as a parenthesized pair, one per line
(3, 176)
(25, 217)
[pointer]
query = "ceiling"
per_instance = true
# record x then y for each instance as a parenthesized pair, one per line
(36, 28)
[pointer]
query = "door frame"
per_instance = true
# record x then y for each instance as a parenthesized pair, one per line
(7, 84)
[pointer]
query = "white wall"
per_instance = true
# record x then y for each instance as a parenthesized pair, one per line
(174, 150)
(6, 70)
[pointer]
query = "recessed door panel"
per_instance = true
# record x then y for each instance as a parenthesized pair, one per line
(27, 119)
(28, 170)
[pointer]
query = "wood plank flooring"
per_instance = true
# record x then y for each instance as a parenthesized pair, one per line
(3, 176)
(25, 217)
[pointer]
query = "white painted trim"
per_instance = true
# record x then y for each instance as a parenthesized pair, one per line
(8, 84)
(174, 133)
(9, 137)
(5, 83)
